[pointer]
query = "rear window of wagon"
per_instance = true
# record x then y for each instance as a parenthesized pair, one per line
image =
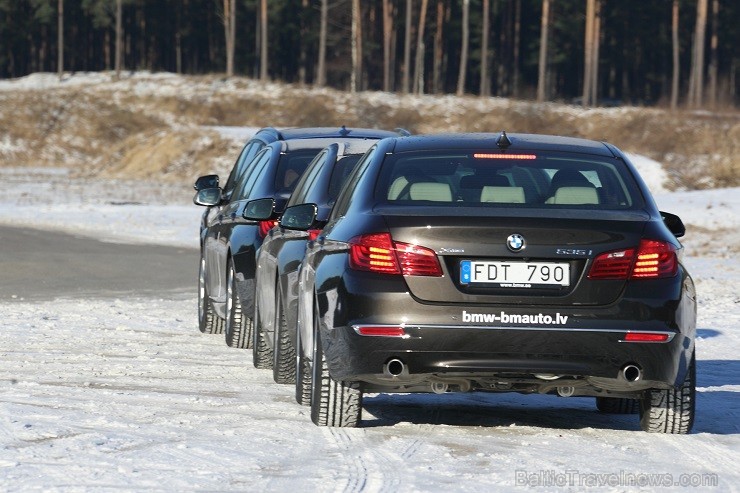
(512, 179)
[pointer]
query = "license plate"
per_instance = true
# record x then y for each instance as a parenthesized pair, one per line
(515, 274)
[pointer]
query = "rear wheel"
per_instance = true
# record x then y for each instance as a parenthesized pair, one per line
(670, 410)
(283, 363)
(332, 403)
(237, 327)
(302, 374)
(261, 351)
(617, 405)
(208, 321)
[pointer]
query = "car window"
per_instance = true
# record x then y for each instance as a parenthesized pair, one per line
(245, 157)
(484, 179)
(340, 173)
(345, 196)
(290, 168)
(250, 176)
(305, 183)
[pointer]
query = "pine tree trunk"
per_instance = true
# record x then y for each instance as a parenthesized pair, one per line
(356, 47)
(230, 34)
(119, 38)
(517, 41)
(60, 39)
(321, 70)
(464, 52)
(676, 59)
(696, 86)
(438, 54)
(713, 63)
(303, 56)
(407, 48)
(387, 34)
(264, 62)
(589, 50)
(419, 62)
(596, 43)
(544, 37)
(485, 84)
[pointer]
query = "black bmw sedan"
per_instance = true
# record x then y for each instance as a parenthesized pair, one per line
(482, 262)
(229, 241)
(279, 258)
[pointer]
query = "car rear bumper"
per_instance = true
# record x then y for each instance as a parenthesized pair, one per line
(486, 344)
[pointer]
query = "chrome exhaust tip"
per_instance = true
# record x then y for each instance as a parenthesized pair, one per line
(395, 368)
(631, 373)
(439, 387)
(566, 391)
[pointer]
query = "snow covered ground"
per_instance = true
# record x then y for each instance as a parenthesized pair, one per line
(126, 394)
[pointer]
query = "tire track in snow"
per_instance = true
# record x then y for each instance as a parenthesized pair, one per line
(374, 471)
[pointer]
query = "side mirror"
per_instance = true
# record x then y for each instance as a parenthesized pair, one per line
(300, 217)
(207, 181)
(259, 210)
(674, 224)
(208, 197)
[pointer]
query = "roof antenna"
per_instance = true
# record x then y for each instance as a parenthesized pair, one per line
(503, 141)
(343, 131)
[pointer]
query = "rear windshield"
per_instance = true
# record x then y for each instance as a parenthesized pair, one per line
(485, 179)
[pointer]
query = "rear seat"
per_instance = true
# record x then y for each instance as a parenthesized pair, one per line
(503, 195)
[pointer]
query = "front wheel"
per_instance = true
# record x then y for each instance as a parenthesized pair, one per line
(237, 327)
(261, 351)
(283, 362)
(332, 403)
(208, 321)
(670, 410)
(302, 374)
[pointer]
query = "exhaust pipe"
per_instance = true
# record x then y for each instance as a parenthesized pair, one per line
(566, 391)
(439, 387)
(631, 373)
(395, 368)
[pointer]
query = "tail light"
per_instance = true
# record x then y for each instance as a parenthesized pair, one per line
(379, 253)
(655, 259)
(266, 226)
(612, 265)
(313, 234)
(651, 260)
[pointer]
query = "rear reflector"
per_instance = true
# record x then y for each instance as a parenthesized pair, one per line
(518, 157)
(646, 337)
(379, 253)
(380, 331)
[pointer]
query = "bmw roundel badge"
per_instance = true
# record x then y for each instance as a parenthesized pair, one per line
(515, 242)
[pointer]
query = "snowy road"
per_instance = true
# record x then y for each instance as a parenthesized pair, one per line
(123, 393)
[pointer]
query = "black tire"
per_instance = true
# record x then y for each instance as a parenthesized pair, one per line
(283, 362)
(332, 403)
(617, 405)
(208, 321)
(302, 374)
(670, 410)
(237, 327)
(261, 351)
